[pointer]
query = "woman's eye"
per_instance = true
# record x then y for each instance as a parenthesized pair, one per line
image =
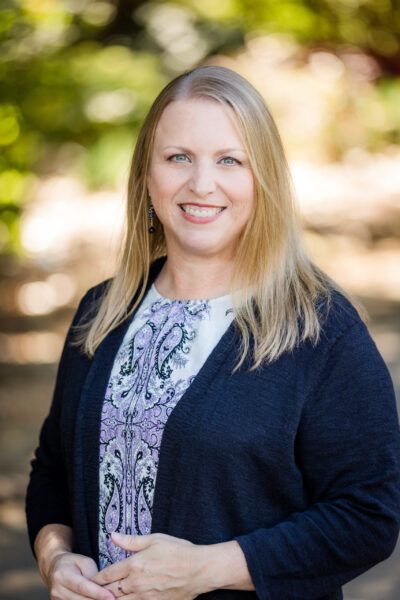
(227, 160)
(177, 157)
(232, 161)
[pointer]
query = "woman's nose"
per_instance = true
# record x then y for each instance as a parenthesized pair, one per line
(202, 181)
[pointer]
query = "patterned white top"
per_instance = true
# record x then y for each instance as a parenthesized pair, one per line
(163, 349)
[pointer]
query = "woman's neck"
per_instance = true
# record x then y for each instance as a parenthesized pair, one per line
(194, 278)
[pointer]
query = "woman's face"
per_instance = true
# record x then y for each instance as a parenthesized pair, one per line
(198, 167)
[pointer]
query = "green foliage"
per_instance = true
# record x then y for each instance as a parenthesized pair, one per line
(77, 76)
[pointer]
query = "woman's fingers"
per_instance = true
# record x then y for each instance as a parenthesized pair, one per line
(67, 594)
(131, 543)
(79, 587)
(71, 576)
(118, 588)
(87, 567)
(134, 542)
(87, 588)
(114, 572)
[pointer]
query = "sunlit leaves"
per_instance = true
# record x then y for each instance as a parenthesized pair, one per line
(9, 125)
(78, 76)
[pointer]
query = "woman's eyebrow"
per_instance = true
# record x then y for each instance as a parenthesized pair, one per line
(222, 151)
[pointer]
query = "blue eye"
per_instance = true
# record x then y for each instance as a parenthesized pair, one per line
(175, 156)
(235, 161)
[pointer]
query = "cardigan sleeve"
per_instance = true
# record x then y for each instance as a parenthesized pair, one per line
(348, 449)
(47, 498)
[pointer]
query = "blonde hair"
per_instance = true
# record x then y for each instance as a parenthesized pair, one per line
(275, 285)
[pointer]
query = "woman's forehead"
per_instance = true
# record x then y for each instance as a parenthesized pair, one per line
(189, 119)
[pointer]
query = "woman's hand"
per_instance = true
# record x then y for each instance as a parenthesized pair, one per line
(69, 578)
(163, 567)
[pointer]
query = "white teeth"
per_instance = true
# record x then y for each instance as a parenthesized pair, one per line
(201, 212)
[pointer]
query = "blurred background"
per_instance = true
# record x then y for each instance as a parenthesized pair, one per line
(77, 78)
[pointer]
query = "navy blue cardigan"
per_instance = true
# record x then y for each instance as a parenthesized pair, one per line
(299, 461)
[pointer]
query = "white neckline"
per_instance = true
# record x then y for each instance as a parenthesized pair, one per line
(218, 300)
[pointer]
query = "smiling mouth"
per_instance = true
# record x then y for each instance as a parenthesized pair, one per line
(198, 211)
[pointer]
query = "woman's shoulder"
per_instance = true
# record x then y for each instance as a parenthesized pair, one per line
(90, 301)
(338, 314)
(346, 364)
(343, 334)
(97, 291)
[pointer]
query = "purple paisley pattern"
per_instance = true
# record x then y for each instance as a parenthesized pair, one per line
(162, 351)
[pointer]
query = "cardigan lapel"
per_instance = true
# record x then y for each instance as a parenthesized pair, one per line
(192, 410)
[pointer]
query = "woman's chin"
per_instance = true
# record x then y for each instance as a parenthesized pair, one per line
(204, 247)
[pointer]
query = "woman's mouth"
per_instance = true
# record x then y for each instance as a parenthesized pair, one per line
(201, 214)
(199, 211)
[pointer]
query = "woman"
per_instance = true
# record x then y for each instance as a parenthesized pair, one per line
(222, 422)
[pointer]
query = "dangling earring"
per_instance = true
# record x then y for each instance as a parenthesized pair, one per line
(151, 213)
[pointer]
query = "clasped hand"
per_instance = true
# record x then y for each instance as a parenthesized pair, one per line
(162, 567)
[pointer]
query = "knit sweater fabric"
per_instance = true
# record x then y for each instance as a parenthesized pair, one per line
(298, 461)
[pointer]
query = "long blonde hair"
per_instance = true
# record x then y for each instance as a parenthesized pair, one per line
(274, 285)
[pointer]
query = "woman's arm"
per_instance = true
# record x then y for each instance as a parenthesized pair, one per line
(64, 572)
(47, 497)
(161, 565)
(348, 450)
(48, 511)
(223, 566)
(50, 542)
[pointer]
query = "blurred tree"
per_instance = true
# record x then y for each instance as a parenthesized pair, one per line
(77, 76)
